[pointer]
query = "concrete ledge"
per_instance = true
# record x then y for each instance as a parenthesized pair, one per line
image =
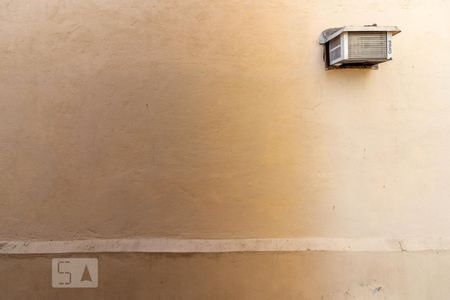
(223, 245)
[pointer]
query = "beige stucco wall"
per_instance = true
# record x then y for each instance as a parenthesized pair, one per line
(216, 119)
(235, 276)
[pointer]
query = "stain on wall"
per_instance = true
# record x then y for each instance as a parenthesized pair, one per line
(216, 119)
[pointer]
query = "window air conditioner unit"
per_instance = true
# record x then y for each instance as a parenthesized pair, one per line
(357, 46)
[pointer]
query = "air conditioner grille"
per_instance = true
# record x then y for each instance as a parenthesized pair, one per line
(335, 42)
(335, 54)
(367, 45)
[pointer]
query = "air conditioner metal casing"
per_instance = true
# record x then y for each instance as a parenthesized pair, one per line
(358, 45)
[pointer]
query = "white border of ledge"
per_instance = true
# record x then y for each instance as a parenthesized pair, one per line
(159, 245)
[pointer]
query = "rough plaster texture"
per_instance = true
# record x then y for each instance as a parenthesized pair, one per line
(216, 119)
(304, 276)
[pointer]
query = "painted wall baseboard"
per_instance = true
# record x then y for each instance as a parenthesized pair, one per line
(159, 245)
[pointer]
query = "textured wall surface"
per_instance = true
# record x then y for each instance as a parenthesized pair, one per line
(258, 276)
(215, 119)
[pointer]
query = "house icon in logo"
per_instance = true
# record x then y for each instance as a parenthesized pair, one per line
(86, 275)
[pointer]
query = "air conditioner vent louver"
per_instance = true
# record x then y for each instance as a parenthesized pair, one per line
(335, 54)
(335, 42)
(335, 49)
(367, 45)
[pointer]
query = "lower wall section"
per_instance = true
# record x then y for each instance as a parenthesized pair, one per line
(244, 275)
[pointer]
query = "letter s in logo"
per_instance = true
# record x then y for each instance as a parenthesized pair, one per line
(64, 273)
